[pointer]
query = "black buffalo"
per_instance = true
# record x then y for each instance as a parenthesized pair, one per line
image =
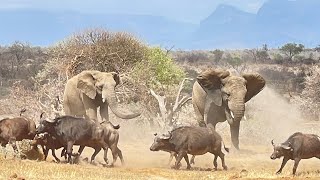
(47, 142)
(191, 140)
(69, 131)
(298, 146)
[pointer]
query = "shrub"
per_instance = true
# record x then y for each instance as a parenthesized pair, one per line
(98, 49)
(158, 69)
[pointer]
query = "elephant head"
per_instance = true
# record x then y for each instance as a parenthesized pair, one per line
(101, 86)
(230, 92)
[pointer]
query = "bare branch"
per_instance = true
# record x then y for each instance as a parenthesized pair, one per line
(181, 103)
(179, 92)
(168, 50)
(162, 104)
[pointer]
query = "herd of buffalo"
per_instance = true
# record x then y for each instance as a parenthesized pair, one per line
(74, 129)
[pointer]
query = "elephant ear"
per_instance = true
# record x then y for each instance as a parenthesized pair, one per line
(116, 77)
(86, 85)
(255, 83)
(211, 81)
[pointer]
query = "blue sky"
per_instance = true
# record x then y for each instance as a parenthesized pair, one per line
(183, 10)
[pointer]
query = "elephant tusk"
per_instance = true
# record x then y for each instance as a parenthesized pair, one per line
(244, 117)
(232, 114)
(103, 100)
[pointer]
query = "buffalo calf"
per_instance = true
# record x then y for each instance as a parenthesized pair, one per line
(298, 146)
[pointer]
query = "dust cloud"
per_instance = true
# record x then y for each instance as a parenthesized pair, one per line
(272, 116)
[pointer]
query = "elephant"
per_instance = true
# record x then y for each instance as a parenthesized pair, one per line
(88, 90)
(218, 96)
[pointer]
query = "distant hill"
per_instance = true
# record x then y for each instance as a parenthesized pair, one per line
(45, 28)
(277, 22)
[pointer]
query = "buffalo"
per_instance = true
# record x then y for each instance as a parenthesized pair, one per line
(191, 140)
(69, 131)
(47, 142)
(298, 146)
(16, 129)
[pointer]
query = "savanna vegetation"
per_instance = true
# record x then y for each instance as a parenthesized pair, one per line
(34, 77)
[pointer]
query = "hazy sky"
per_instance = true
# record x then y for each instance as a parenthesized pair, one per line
(186, 10)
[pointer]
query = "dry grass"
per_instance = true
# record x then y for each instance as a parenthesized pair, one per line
(252, 162)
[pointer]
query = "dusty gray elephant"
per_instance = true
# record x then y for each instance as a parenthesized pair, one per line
(87, 91)
(218, 96)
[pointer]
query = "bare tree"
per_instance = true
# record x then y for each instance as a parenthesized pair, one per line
(168, 112)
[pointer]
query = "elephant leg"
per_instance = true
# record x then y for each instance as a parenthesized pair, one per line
(234, 129)
(66, 106)
(91, 108)
(199, 116)
(104, 112)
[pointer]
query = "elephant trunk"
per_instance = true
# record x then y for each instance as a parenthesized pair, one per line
(110, 95)
(234, 129)
(237, 109)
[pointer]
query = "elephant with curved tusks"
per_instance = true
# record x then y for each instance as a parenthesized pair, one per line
(218, 96)
(87, 91)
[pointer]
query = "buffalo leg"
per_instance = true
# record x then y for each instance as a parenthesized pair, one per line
(284, 162)
(179, 157)
(172, 154)
(105, 155)
(63, 152)
(186, 158)
(80, 150)
(295, 166)
(115, 153)
(192, 159)
(120, 156)
(215, 163)
(223, 161)
(45, 152)
(3, 145)
(12, 141)
(96, 151)
(69, 150)
(53, 151)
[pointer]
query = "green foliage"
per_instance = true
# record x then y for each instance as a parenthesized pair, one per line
(158, 69)
(292, 49)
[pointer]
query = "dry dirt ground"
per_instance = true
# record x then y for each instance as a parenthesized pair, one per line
(252, 162)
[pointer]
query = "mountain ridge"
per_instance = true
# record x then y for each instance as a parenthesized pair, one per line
(275, 23)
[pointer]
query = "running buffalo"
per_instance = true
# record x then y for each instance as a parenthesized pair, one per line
(191, 140)
(69, 131)
(298, 146)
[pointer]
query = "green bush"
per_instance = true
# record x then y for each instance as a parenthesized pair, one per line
(158, 69)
